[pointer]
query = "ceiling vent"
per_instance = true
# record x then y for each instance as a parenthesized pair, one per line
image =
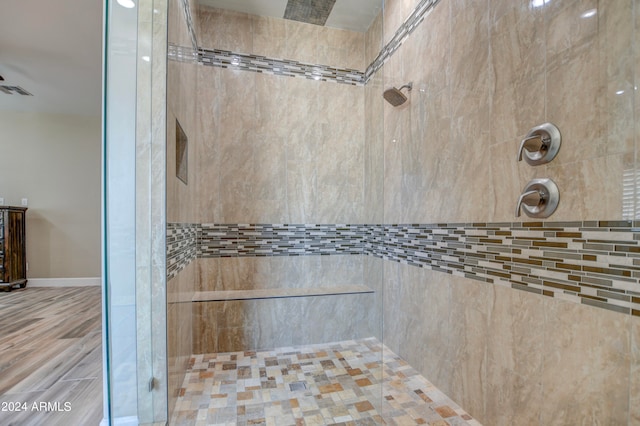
(10, 90)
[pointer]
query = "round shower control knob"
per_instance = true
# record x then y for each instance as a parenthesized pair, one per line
(540, 145)
(539, 198)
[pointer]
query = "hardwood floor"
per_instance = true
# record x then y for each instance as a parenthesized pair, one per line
(51, 356)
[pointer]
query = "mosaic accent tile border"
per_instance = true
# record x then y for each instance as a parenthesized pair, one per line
(354, 382)
(232, 240)
(595, 263)
(291, 68)
(402, 33)
(181, 53)
(283, 67)
(181, 247)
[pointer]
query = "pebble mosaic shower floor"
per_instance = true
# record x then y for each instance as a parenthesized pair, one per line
(329, 384)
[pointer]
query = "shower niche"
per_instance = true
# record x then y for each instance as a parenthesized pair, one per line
(182, 154)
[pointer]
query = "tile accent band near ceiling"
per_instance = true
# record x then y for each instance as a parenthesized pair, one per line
(595, 263)
(292, 68)
(283, 67)
(400, 36)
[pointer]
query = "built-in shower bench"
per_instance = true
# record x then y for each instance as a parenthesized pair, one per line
(277, 293)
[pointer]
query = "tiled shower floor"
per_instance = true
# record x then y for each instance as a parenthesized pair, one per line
(329, 384)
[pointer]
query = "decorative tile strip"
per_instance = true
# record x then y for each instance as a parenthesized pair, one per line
(262, 64)
(401, 34)
(593, 263)
(181, 247)
(279, 240)
(181, 53)
(257, 63)
(289, 68)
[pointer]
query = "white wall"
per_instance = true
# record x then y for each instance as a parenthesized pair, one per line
(54, 161)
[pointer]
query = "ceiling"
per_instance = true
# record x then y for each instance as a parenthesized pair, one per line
(53, 50)
(354, 15)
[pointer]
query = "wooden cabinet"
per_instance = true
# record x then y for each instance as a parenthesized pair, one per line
(13, 256)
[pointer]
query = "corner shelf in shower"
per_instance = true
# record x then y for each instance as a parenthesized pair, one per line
(278, 293)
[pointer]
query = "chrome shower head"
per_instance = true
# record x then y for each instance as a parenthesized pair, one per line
(395, 97)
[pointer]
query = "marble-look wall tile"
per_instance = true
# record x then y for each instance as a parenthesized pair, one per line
(374, 278)
(579, 374)
(395, 320)
(501, 68)
(513, 358)
(634, 376)
(225, 29)
(471, 73)
(515, 321)
(512, 69)
(396, 134)
(395, 13)
(205, 328)
(432, 41)
(208, 152)
(469, 333)
(249, 273)
(179, 334)
(337, 46)
(269, 37)
(514, 364)
(575, 81)
(373, 40)
(517, 37)
(302, 41)
(373, 153)
(263, 160)
(272, 98)
(335, 318)
(512, 399)
(272, 323)
(417, 306)
(636, 96)
(513, 110)
(302, 102)
(616, 29)
(566, 28)
(280, 39)
(593, 188)
(436, 328)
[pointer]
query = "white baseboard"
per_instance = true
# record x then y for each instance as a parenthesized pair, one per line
(64, 282)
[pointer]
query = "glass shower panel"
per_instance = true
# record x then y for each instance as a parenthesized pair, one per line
(119, 215)
(134, 340)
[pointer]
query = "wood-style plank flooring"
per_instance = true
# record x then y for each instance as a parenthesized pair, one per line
(51, 356)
